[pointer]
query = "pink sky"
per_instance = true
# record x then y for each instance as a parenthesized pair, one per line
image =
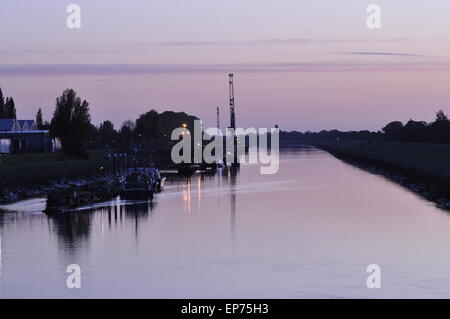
(302, 65)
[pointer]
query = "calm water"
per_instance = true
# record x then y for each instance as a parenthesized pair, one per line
(308, 231)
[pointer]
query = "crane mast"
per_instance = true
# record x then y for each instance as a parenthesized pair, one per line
(233, 121)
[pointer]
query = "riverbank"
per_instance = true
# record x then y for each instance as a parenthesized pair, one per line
(25, 176)
(422, 168)
(32, 175)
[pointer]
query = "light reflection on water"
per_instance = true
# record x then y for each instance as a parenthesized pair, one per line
(308, 231)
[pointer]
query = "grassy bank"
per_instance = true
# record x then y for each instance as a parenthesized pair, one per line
(29, 175)
(26, 170)
(425, 168)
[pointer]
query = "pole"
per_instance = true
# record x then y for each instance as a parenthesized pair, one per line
(233, 120)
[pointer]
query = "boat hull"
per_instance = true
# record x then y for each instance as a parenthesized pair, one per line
(136, 194)
(160, 184)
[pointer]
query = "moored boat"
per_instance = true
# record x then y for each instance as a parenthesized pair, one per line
(69, 200)
(159, 180)
(137, 183)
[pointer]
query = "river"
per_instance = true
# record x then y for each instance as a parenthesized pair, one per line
(309, 231)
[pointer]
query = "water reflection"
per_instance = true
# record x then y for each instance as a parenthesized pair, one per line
(231, 177)
(0, 255)
(221, 184)
(187, 195)
(137, 212)
(312, 228)
(74, 229)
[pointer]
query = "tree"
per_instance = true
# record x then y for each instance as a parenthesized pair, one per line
(107, 133)
(130, 124)
(2, 105)
(71, 123)
(394, 130)
(441, 116)
(440, 128)
(147, 125)
(92, 138)
(9, 109)
(39, 120)
(127, 133)
(415, 132)
(159, 127)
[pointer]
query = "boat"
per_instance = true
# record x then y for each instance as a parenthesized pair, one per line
(187, 169)
(138, 183)
(159, 180)
(212, 166)
(220, 164)
(69, 200)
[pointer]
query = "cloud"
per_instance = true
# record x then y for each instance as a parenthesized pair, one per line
(117, 49)
(57, 51)
(187, 43)
(389, 54)
(272, 41)
(148, 69)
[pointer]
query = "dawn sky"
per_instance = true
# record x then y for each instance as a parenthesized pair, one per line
(303, 65)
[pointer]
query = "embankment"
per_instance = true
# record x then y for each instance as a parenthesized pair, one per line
(24, 176)
(28, 175)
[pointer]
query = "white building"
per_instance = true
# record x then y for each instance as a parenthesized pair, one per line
(23, 136)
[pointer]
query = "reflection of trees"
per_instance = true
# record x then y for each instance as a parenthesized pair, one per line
(74, 228)
(2, 217)
(71, 228)
(136, 211)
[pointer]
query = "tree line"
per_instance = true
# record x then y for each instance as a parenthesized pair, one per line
(71, 124)
(7, 107)
(437, 131)
(420, 131)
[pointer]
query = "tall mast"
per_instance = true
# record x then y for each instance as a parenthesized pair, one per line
(232, 114)
(218, 119)
(233, 122)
